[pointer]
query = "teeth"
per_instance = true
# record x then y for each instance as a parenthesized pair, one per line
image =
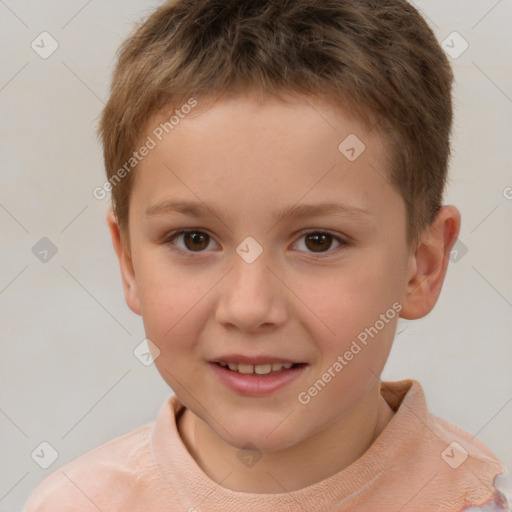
(260, 369)
(245, 368)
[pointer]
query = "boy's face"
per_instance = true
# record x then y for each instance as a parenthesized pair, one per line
(212, 297)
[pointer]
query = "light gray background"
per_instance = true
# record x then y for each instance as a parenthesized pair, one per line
(68, 373)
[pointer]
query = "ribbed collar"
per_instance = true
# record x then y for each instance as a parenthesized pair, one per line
(405, 397)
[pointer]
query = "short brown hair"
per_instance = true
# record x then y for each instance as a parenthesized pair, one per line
(377, 57)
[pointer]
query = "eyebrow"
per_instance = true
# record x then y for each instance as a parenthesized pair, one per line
(203, 210)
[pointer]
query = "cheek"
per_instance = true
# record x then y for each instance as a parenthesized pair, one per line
(356, 312)
(168, 313)
(172, 321)
(346, 301)
(175, 309)
(166, 291)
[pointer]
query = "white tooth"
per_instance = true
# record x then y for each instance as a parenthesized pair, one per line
(262, 369)
(287, 366)
(276, 366)
(233, 366)
(246, 368)
(222, 363)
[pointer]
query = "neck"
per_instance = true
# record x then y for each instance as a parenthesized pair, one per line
(299, 466)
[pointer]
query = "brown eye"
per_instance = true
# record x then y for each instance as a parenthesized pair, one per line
(195, 240)
(192, 241)
(318, 242)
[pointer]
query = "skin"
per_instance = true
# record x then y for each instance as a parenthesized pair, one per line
(250, 158)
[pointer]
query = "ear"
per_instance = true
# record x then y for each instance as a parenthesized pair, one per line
(427, 267)
(131, 293)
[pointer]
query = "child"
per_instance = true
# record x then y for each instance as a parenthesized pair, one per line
(303, 146)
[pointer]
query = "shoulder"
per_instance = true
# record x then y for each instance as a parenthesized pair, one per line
(460, 444)
(469, 464)
(453, 469)
(97, 478)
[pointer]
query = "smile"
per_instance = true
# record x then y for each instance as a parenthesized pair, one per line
(261, 379)
(259, 369)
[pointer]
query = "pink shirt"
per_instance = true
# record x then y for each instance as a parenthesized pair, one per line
(418, 463)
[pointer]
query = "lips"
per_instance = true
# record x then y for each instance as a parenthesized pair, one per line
(258, 375)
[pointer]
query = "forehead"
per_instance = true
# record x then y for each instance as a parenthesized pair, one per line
(250, 113)
(263, 152)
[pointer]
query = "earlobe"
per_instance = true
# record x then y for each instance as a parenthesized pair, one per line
(428, 266)
(125, 263)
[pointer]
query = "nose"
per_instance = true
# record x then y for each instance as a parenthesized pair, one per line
(251, 297)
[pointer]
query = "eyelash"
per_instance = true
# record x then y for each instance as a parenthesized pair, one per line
(169, 242)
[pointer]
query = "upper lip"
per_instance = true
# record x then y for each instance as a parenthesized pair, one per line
(261, 359)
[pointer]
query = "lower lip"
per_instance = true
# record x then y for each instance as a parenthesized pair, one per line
(256, 385)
